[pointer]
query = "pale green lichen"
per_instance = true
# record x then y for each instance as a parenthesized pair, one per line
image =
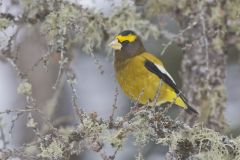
(237, 143)
(140, 123)
(232, 9)
(4, 23)
(233, 22)
(116, 138)
(63, 25)
(217, 43)
(76, 29)
(127, 17)
(184, 6)
(154, 7)
(72, 81)
(53, 151)
(208, 144)
(139, 156)
(55, 23)
(216, 15)
(26, 2)
(92, 33)
(30, 150)
(31, 123)
(24, 88)
(90, 126)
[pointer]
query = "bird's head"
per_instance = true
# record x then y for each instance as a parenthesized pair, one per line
(127, 44)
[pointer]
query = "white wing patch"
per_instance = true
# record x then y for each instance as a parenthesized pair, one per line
(164, 71)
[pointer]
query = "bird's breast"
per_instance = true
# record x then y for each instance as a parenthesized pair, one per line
(136, 81)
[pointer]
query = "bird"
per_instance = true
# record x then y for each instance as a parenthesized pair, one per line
(141, 75)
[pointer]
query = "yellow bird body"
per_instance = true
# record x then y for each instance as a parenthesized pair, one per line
(141, 85)
(142, 76)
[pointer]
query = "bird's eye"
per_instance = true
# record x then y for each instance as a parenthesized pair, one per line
(124, 43)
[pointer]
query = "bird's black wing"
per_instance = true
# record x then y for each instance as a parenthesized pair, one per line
(165, 77)
(154, 69)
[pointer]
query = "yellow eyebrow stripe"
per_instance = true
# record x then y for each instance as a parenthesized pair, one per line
(129, 38)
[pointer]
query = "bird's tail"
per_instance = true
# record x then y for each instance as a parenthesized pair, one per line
(189, 109)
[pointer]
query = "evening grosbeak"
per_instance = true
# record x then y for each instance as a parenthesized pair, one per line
(141, 75)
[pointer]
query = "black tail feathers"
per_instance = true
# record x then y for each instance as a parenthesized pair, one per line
(189, 109)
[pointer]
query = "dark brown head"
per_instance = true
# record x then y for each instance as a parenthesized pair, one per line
(127, 44)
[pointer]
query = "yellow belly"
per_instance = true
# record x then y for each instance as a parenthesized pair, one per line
(141, 85)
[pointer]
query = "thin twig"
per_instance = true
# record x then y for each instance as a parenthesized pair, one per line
(157, 95)
(205, 41)
(176, 36)
(3, 138)
(114, 106)
(96, 61)
(63, 59)
(71, 78)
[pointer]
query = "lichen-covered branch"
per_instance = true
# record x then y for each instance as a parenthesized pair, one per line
(144, 126)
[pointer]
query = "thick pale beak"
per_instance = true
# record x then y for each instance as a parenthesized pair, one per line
(115, 45)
